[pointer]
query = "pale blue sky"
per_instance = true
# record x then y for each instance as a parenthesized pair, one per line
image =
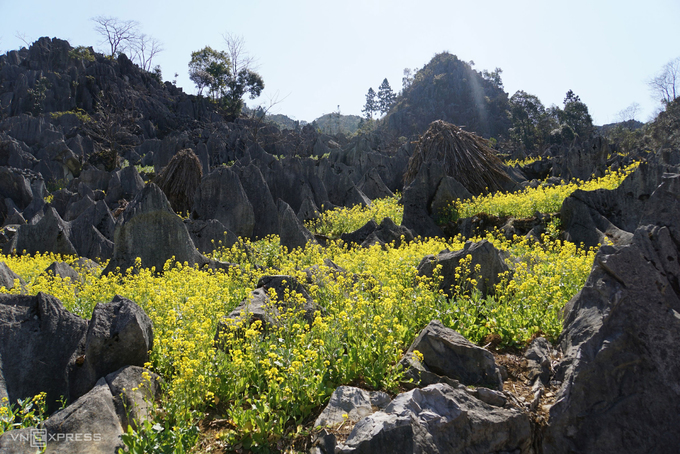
(319, 55)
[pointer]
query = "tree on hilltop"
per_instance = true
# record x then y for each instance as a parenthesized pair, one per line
(665, 86)
(226, 74)
(575, 115)
(386, 97)
(371, 105)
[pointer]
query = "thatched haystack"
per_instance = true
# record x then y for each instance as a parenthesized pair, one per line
(179, 180)
(465, 156)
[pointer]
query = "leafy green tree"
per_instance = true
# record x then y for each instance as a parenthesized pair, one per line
(386, 97)
(526, 113)
(576, 116)
(227, 75)
(371, 105)
(494, 77)
(209, 69)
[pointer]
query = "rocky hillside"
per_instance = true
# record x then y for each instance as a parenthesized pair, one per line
(449, 89)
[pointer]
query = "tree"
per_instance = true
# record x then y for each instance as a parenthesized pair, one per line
(243, 79)
(386, 97)
(666, 85)
(119, 34)
(144, 48)
(629, 113)
(371, 105)
(529, 119)
(227, 75)
(576, 116)
(407, 80)
(210, 69)
(494, 77)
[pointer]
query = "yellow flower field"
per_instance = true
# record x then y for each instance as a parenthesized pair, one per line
(268, 385)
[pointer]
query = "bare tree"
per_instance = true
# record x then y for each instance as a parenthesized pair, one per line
(629, 113)
(119, 34)
(240, 60)
(666, 85)
(23, 38)
(144, 49)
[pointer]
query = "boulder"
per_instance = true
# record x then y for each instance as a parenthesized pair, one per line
(308, 211)
(539, 364)
(14, 185)
(359, 235)
(260, 197)
(221, 196)
(417, 198)
(590, 217)
(285, 287)
(63, 270)
(351, 404)
(150, 229)
(484, 254)
(8, 277)
(448, 354)
(373, 186)
(40, 343)
(439, 419)
(50, 234)
(46, 348)
(620, 389)
(209, 235)
(95, 422)
(124, 184)
(291, 231)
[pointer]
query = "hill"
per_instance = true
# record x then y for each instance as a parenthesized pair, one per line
(449, 89)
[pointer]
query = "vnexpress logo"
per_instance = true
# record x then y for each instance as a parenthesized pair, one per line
(38, 438)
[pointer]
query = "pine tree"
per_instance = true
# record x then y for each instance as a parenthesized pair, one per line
(386, 97)
(371, 105)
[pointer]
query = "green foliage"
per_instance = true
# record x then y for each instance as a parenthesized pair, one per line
(81, 53)
(209, 68)
(386, 97)
(531, 122)
(25, 413)
(371, 105)
(214, 70)
(576, 116)
(158, 437)
(37, 95)
(80, 114)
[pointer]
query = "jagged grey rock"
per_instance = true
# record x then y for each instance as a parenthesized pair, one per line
(591, 217)
(484, 254)
(134, 390)
(448, 354)
(261, 199)
(620, 390)
(150, 230)
(417, 199)
(373, 186)
(46, 348)
(351, 404)
(63, 270)
(50, 234)
(119, 334)
(439, 419)
(538, 360)
(209, 235)
(221, 196)
(292, 233)
(7, 277)
(40, 343)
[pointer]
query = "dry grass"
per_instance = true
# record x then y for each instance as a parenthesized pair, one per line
(179, 180)
(465, 156)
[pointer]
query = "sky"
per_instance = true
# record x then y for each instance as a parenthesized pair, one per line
(317, 57)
